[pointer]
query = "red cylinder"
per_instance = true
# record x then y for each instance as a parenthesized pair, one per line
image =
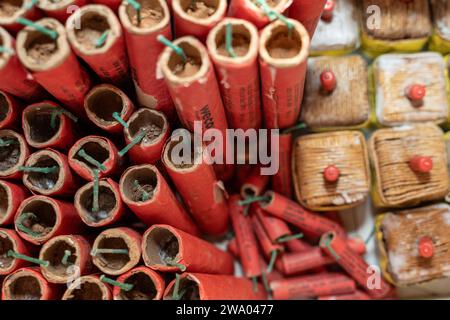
(312, 286)
(12, 196)
(61, 10)
(88, 288)
(168, 249)
(143, 51)
(266, 245)
(22, 9)
(196, 182)
(282, 180)
(255, 183)
(50, 218)
(192, 18)
(59, 72)
(298, 245)
(308, 12)
(108, 58)
(10, 240)
(12, 155)
(294, 263)
(357, 295)
(273, 226)
(147, 285)
(157, 130)
(215, 287)
(283, 71)
(233, 248)
(152, 200)
(113, 4)
(9, 111)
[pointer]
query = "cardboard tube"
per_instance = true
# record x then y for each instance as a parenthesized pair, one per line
(144, 49)
(117, 239)
(282, 61)
(297, 245)
(10, 110)
(267, 246)
(12, 155)
(152, 200)
(62, 9)
(10, 240)
(112, 4)
(308, 13)
(282, 180)
(11, 196)
(273, 226)
(294, 263)
(255, 183)
(110, 206)
(59, 182)
(106, 56)
(156, 126)
(197, 18)
(53, 64)
(147, 285)
(103, 102)
(40, 218)
(198, 286)
(250, 11)
(17, 9)
(197, 184)
(63, 267)
(29, 284)
(88, 288)
(102, 150)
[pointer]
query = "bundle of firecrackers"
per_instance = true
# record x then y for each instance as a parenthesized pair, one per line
(94, 205)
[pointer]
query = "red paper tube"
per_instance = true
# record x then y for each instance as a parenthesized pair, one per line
(46, 125)
(19, 9)
(29, 284)
(266, 245)
(356, 245)
(116, 251)
(13, 153)
(273, 226)
(47, 172)
(94, 153)
(9, 111)
(58, 70)
(196, 182)
(155, 129)
(144, 49)
(243, 230)
(308, 12)
(297, 245)
(113, 4)
(88, 288)
(198, 286)
(237, 71)
(255, 183)
(167, 249)
(61, 10)
(40, 218)
(233, 248)
(197, 18)
(283, 56)
(14, 78)
(96, 36)
(312, 286)
(357, 295)
(251, 11)
(11, 196)
(282, 180)
(10, 240)
(147, 194)
(288, 210)
(294, 263)
(104, 210)
(68, 258)
(108, 107)
(146, 284)
(335, 246)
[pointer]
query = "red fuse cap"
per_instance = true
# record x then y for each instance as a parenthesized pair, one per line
(331, 173)
(426, 247)
(421, 164)
(328, 10)
(328, 81)
(416, 92)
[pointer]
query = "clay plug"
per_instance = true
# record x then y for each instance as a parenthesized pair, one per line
(426, 247)
(421, 164)
(328, 81)
(416, 93)
(331, 174)
(328, 10)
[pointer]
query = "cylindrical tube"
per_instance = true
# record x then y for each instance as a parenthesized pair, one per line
(13, 153)
(116, 251)
(283, 52)
(57, 181)
(11, 196)
(357, 295)
(29, 284)
(101, 150)
(68, 257)
(147, 194)
(157, 130)
(197, 18)
(273, 226)
(214, 287)
(46, 125)
(62, 9)
(250, 11)
(9, 111)
(96, 36)
(88, 288)
(18, 9)
(255, 183)
(312, 286)
(197, 184)
(40, 218)
(268, 248)
(336, 247)
(53, 65)
(308, 12)
(144, 49)
(113, 4)
(294, 263)
(147, 285)
(109, 208)
(282, 180)
(168, 249)
(298, 245)
(10, 240)
(104, 103)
